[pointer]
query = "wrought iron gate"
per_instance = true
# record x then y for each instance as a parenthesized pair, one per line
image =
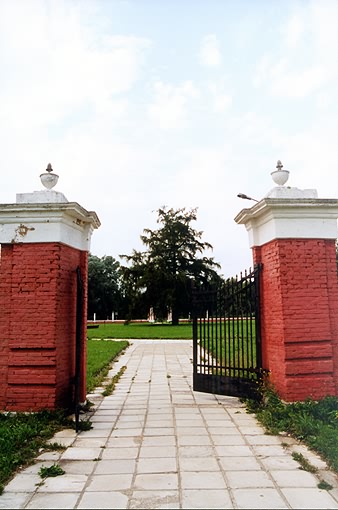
(227, 357)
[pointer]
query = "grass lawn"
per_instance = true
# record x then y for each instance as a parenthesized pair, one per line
(100, 354)
(142, 331)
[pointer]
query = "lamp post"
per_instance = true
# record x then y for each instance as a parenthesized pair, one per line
(245, 197)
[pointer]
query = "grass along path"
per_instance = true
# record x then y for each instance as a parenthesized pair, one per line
(142, 331)
(100, 354)
(314, 423)
(22, 436)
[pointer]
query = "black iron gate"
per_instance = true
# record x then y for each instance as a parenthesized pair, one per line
(227, 356)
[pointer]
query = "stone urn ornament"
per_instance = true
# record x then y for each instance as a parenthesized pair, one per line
(280, 176)
(49, 179)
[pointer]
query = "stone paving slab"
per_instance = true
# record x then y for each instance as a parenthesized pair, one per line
(157, 444)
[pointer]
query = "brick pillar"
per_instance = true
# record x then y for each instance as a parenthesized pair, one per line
(294, 239)
(5, 298)
(38, 292)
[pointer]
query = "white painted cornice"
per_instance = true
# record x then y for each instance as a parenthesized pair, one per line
(303, 218)
(65, 222)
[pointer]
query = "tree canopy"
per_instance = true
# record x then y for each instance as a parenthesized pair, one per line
(162, 276)
(105, 286)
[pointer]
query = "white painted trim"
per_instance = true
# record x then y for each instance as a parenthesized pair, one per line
(67, 223)
(274, 218)
(43, 196)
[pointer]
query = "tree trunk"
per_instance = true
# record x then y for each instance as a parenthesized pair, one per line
(174, 320)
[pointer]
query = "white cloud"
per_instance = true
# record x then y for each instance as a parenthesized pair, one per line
(323, 23)
(169, 107)
(311, 155)
(62, 64)
(306, 59)
(293, 30)
(286, 78)
(210, 53)
(221, 100)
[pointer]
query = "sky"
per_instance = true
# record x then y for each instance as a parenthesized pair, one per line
(139, 104)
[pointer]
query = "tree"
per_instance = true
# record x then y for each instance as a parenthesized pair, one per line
(105, 286)
(163, 274)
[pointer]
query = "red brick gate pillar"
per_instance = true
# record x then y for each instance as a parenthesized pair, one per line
(44, 238)
(293, 234)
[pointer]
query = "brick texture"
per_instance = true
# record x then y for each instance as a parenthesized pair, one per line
(300, 316)
(38, 325)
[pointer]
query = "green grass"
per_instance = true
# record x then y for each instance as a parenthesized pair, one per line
(114, 380)
(315, 423)
(304, 463)
(100, 355)
(142, 331)
(21, 437)
(51, 471)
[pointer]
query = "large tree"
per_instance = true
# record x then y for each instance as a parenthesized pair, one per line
(105, 287)
(163, 275)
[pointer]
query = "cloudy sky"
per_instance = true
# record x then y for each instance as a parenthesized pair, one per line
(143, 103)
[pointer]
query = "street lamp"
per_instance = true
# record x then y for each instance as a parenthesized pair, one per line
(241, 195)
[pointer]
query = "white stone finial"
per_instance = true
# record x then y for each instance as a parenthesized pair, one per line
(280, 176)
(48, 179)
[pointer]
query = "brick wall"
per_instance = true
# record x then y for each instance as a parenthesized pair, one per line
(37, 337)
(300, 316)
(5, 293)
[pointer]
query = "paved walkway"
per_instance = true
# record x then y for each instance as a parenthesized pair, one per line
(157, 444)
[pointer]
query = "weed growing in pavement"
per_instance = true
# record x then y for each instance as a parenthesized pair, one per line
(304, 463)
(82, 425)
(51, 471)
(110, 387)
(325, 486)
(53, 446)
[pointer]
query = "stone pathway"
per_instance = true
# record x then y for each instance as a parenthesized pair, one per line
(157, 444)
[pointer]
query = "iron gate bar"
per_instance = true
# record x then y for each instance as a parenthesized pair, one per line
(226, 331)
